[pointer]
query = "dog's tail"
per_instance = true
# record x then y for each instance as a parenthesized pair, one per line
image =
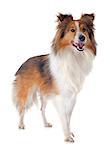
(24, 93)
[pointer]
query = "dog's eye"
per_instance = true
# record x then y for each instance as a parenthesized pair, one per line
(84, 29)
(72, 30)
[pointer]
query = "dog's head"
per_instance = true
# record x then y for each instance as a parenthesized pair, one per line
(78, 34)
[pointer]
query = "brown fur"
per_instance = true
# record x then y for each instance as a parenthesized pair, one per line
(64, 24)
(35, 75)
(32, 74)
(35, 71)
(64, 35)
(86, 22)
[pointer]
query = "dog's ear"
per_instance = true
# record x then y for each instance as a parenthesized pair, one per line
(88, 21)
(89, 17)
(64, 17)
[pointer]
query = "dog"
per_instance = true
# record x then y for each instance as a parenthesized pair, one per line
(58, 76)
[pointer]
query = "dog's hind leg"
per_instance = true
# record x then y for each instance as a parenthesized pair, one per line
(23, 104)
(21, 121)
(20, 95)
(43, 107)
(23, 93)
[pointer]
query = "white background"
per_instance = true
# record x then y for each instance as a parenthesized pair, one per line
(27, 28)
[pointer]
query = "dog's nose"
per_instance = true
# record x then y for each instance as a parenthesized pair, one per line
(82, 38)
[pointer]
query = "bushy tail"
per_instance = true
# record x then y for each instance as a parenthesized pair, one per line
(23, 95)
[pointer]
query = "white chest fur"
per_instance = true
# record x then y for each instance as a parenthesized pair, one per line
(70, 67)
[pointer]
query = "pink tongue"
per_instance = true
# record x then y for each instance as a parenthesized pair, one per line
(80, 45)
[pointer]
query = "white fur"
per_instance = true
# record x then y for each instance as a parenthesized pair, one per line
(69, 68)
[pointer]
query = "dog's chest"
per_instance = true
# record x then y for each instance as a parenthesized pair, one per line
(70, 70)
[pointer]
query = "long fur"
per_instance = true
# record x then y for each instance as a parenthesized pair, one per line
(58, 76)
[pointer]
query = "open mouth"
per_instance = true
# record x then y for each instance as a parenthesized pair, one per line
(79, 46)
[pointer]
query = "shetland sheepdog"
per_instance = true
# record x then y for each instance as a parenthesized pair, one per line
(58, 76)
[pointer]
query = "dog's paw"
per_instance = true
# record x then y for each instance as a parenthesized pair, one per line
(48, 125)
(21, 126)
(69, 139)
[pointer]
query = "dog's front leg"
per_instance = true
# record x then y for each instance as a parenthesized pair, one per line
(64, 106)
